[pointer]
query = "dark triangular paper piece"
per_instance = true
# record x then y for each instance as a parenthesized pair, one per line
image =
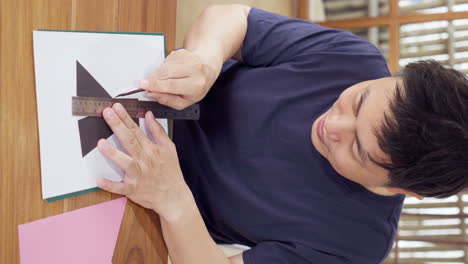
(86, 85)
(91, 128)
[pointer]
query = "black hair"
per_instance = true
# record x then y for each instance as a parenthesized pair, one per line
(425, 132)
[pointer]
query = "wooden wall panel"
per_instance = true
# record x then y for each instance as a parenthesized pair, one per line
(140, 238)
(20, 186)
(147, 16)
(95, 15)
(20, 192)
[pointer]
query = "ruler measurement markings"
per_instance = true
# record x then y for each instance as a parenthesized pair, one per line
(92, 106)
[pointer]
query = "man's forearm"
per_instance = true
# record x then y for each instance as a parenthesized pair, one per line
(218, 33)
(215, 37)
(188, 240)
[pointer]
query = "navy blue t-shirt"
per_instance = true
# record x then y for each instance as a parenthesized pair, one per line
(249, 160)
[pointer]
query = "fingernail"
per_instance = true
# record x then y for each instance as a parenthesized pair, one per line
(104, 145)
(118, 107)
(150, 114)
(109, 113)
(144, 84)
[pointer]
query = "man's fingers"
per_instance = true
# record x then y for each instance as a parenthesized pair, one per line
(118, 157)
(180, 56)
(171, 100)
(174, 70)
(111, 186)
(131, 125)
(126, 137)
(157, 132)
(181, 86)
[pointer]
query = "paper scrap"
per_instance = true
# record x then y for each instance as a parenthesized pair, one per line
(87, 235)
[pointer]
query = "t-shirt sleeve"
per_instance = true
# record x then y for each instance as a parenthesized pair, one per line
(273, 39)
(273, 252)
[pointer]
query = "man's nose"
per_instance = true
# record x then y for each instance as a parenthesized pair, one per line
(340, 127)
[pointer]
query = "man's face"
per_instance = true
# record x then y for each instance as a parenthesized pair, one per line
(345, 136)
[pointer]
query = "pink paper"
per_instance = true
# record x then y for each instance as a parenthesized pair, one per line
(86, 235)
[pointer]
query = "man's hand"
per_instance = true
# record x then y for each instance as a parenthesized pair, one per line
(182, 80)
(153, 177)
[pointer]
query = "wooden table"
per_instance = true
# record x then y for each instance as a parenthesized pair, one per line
(140, 239)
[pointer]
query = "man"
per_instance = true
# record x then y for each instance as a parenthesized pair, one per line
(304, 148)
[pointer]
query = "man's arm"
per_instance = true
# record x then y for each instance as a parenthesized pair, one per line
(189, 242)
(187, 74)
(153, 179)
(215, 37)
(218, 33)
(153, 176)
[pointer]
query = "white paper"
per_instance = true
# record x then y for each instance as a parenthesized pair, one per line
(117, 62)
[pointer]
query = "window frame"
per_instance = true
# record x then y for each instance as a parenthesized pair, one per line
(393, 21)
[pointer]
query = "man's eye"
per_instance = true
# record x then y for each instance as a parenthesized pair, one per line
(357, 102)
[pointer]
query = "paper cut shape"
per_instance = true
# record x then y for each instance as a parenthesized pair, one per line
(87, 235)
(86, 85)
(91, 128)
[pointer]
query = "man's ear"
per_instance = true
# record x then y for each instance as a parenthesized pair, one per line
(403, 191)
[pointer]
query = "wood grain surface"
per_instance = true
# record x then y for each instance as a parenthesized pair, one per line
(140, 239)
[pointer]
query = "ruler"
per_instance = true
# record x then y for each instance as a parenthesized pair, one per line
(93, 106)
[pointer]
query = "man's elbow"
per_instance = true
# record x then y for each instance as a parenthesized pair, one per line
(228, 9)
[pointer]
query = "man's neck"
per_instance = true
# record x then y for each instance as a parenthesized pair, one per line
(381, 191)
